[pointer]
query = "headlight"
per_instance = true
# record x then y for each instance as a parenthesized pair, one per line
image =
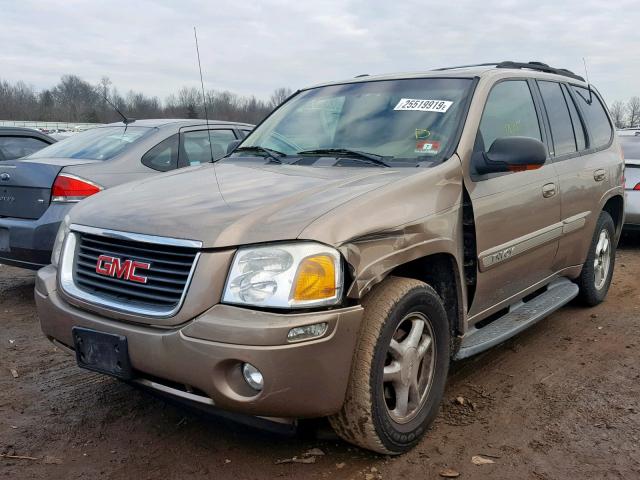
(285, 276)
(63, 230)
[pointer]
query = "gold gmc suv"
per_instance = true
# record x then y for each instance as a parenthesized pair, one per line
(334, 263)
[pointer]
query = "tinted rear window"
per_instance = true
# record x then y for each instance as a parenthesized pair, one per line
(559, 118)
(598, 125)
(100, 143)
(578, 126)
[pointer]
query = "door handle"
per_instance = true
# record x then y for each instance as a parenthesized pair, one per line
(599, 175)
(549, 190)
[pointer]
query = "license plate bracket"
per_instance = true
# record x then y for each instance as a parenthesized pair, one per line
(102, 352)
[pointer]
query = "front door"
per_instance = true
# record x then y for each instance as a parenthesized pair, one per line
(517, 214)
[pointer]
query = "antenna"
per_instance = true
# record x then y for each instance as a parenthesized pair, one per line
(586, 74)
(206, 116)
(125, 120)
(204, 98)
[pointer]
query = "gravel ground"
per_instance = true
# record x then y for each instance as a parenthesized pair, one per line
(559, 401)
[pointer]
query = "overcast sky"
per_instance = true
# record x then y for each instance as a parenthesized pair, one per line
(253, 47)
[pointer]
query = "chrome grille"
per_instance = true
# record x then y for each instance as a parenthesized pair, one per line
(168, 275)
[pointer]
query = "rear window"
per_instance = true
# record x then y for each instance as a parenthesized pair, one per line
(17, 147)
(100, 143)
(595, 116)
(559, 118)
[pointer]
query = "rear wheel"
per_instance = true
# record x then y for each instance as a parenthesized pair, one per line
(597, 272)
(399, 370)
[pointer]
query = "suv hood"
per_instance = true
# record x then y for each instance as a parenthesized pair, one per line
(253, 203)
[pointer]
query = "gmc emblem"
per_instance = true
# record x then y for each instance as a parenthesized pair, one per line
(118, 268)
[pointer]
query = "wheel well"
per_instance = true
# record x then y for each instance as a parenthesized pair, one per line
(615, 208)
(441, 272)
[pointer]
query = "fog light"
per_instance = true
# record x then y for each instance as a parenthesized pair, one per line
(307, 332)
(252, 376)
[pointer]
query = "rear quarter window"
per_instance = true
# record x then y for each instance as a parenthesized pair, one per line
(595, 116)
(164, 156)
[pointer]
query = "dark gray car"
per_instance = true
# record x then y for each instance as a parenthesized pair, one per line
(16, 142)
(36, 192)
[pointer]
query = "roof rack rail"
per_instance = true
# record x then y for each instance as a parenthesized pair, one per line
(539, 66)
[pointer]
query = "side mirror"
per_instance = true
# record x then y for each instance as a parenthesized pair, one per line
(512, 154)
(232, 146)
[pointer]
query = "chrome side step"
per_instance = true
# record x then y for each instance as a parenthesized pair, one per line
(520, 316)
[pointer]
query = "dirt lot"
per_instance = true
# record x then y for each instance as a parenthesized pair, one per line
(559, 401)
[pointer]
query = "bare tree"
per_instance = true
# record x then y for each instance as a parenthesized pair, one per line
(633, 110)
(618, 112)
(75, 100)
(279, 96)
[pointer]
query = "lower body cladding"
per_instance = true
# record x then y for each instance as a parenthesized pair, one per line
(204, 358)
(27, 243)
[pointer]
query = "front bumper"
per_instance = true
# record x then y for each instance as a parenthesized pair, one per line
(632, 209)
(28, 243)
(301, 380)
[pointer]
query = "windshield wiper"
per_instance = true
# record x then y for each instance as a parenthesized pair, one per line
(270, 153)
(355, 154)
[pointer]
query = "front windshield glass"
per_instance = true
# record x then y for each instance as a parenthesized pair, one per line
(400, 120)
(100, 143)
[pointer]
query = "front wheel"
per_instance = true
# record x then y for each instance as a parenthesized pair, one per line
(597, 272)
(399, 370)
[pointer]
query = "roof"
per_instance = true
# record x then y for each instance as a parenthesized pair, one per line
(19, 130)
(183, 122)
(498, 69)
(25, 132)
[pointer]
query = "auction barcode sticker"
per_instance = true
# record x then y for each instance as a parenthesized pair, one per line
(418, 105)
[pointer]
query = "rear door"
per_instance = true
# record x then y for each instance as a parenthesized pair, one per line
(581, 136)
(517, 214)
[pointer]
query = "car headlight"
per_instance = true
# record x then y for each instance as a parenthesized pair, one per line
(63, 231)
(289, 275)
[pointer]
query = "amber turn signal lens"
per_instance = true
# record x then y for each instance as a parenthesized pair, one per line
(315, 279)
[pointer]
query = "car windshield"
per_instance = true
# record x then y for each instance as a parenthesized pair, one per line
(402, 121)
(630, 146)
(100, 143)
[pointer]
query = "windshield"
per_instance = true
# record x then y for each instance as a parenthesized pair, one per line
(100, 143)
(400, 120)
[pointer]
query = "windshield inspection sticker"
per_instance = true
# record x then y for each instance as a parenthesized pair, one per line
(417, 105)
(427, 147)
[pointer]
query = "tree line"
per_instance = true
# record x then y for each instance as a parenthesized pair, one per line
(626, 114)
(75, 100)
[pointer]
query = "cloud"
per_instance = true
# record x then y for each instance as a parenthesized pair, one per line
(255, 47)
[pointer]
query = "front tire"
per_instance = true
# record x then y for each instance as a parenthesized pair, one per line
(399, 370)
(597, 272)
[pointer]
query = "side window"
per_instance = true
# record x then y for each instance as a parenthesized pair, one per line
(18, 147)
(559, 118)
(509, 112)
(195, 146)
(245, 131)
(164, 156)
(595, 116)
(578, 126)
